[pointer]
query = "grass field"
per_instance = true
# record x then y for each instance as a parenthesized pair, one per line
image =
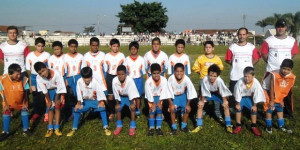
(213, 136)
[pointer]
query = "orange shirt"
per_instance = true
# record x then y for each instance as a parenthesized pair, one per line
(282, 86)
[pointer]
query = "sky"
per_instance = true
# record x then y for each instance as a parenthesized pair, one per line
(73, 15)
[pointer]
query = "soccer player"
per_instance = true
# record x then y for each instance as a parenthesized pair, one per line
(13, 91)
(179, 57)
(112, 60)
(213, 89)
(240, 55)
(126, 93)
(38, 55)
(156, 55)
(52, 84)
(281, 82)
(156, 90)
(248, 93)
(135, 65)
(183, 91)
(90, 95)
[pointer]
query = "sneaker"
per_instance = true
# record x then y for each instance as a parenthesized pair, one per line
(197, 129)
(229, 129)
(131, 131)
(159, 132)
(220, 119)
(256, 131)
(46, 117)
(71, 133)
(173, 132)
(150, 132)
(186, 130)
(269, 130)
(117, 131)
(237, 129)
(3, 136)
(107, 132)
(286, 129)
(26, 133)
(49, 133)
(57, 132)
(34, 117)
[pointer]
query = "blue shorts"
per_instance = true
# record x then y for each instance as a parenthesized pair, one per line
(180, 102)
(139, 85)
(33, 80)
(215, 97)
(156, 99)
(72, 82)
(278, 108)
(52, 94)
(124, 102)
(89, 104)
(246, 102)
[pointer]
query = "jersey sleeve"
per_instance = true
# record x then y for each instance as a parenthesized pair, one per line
(191, 91)
(189, 65)
(115, 92)
(100, 93)
(264, 49)
(26, 51)
(295, 49)
(219, 63)
(78, 91)
(143, 67)
(259, 95)
(132, 91)
(204, 88)
(165, 93)
(1, 54)
(61, 87)
(170, 66)
(237, 92)
(228, 55)
(196, 68)
(148, 92)
(170, 87)
(224, 91)
(255, 54)
(41, 87)
(27, 63)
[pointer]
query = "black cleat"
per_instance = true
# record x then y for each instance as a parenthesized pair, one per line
(173, 132)
(185, 130)
(3, 136)
(150, 132)
(159, 132)
(27, 133)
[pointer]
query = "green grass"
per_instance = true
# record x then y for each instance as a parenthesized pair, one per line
(213, 136)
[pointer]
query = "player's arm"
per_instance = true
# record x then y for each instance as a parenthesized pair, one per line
(295, 49)
(254, 108)
(255, 56)
(6, 106)
(228, 57)
(196, 68)
(48, 100)
(264, 50)
(1, 57)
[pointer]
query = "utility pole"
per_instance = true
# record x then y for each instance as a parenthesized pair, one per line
(244, 19)
(98, 25)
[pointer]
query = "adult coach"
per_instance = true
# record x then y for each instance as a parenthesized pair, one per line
(274, 50)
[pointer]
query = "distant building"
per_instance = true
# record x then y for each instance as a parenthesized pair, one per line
(270, 32)
(44, 32)
(3, 29)
(213, 31)
(28, 33)
(64, 33)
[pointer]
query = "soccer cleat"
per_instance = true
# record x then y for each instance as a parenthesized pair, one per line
(237, 129)
(185, 130)
(117, 131)
(107, 132)
(34, 118)
(220, 119)
(71, 133)
(173, 132)
(49, 133)
(256, 131)
(151, 132)
(131, 131)
(269, 130)
(197, 129)
(159, 132)
(3, 136)
(46, 117)
(229, 129)
(26, 133)
(57, 132)
(286, 129)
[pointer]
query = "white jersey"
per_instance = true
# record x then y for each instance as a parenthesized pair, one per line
(135, 67)
(217, 86)
(112, 61)
(96, 62)
(160, 89)
(127, 88)
(184, 59)
(57, 63)
(241, 90)
(93, 91)
(161, 59)
(266, 83)
(14, 54)
(56, 82)
(32, 58)
(184, 86)
(73, 64)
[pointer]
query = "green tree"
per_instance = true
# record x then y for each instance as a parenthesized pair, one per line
(262, 24)
(90, 29)
(144, 17)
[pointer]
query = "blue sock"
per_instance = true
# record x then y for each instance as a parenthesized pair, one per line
(47, 110)
(269, 122)
(25, 122)
(174, 126)
(138, 112)
(119, 123)
(132, 124)
(183, 125)
(76, 120)
(158, 122)
(50, 127)
(151, 122)
(227, 120)
(6, 123)
(280, 122)
(103, 116)
(56, 126)
(199, 122)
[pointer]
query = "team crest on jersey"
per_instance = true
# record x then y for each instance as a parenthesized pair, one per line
(283, 83)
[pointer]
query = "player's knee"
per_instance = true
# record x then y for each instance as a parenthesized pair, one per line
(117, 107)
(171, 109)
(132, 107)
(102, 104)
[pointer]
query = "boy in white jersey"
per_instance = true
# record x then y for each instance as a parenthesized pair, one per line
(156, 55)
(90, 95)
(52, 84)
(95, 60)
(136, 69)
(112, 60)
(156, 90)
(248, 93)
(179, 57)
(38, 55)
(213, 89)
(125, 93)
(183, 91)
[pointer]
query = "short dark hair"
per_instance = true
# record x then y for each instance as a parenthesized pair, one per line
(12, 28)
(73, 41)
(155, 67)
(134, 44)
(243, 28)
(178, 65)
(249, 70)
(209, 42)
(94, 39)
(114, 41)
(57, 43)
(287, 63)
(156, 39)
(39, 40)
(180, 41)
(86, 72)
(121, 68)
(39, 66)
(14, 68)
(214, 68)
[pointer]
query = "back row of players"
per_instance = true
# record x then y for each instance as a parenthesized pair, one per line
(92, 76)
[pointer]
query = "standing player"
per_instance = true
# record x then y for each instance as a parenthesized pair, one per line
(179, 57)
(136, 69)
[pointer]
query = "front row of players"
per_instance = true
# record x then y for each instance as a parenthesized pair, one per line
(178, 90)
